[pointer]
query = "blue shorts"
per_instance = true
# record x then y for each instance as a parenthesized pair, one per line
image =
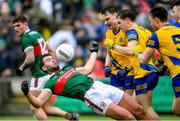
(176, 85)
(149, 82)
(126, 82)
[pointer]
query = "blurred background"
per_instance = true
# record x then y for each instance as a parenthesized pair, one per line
(76, 22)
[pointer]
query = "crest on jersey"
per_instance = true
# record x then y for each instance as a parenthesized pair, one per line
(121, 39)
(103, 104)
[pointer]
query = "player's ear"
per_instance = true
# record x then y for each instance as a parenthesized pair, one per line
(43, 68)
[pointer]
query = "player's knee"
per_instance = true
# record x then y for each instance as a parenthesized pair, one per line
(140, 112)
(46, 108)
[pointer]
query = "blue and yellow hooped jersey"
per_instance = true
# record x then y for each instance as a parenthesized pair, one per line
(141, 36)
(167, 41)
(120, 39)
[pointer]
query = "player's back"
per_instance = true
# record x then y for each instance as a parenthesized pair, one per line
(33, 39)
(169, 46)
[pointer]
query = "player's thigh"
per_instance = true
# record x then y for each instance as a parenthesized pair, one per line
(117, 112)
(129, 103)
(145, 99)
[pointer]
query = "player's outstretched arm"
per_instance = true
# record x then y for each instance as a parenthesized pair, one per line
(35, 101)
(88, 68)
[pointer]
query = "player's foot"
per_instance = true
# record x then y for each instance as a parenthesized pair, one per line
(75, 117)
(72, 116)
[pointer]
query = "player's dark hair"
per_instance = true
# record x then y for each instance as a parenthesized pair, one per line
(130, 14)
(159, 12)
(41, 61)
(176, 3)
(111, 10)
(20, 18)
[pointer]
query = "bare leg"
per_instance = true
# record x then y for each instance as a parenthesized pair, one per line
(116, 112)
(176, 106)
(50, 110)
(129, 92)
(145, 100)
(132, 106)
(39, 113)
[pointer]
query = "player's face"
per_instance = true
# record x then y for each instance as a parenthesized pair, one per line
(50, 64)
(110, 20)
(123, 24)
(154, 23)
(20, 28)
(176, 13)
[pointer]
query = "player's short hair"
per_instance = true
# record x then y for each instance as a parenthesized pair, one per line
(111, 10)
(41, 61)
(159, 12)
(130, 14)
(20, 18)
(176, 3)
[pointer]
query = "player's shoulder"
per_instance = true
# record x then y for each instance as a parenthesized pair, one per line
(31, 33)
(108, 32)
(167, 27)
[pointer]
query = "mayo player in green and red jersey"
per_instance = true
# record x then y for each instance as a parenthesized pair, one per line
(75, 83)
(34, 46)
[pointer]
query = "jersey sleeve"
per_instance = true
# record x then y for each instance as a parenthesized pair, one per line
(153, 41)
(27, 43)
(132, 35)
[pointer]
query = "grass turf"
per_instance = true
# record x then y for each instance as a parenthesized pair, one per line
(164, 117)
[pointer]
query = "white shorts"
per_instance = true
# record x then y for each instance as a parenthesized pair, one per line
(101, 95)
(37, 84)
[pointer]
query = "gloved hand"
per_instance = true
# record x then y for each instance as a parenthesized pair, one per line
(162, 70)
(72, 116)
(93, 46)
(123, 72)
(107, 71)
(25, 87)
(109, 43)
(19, 72)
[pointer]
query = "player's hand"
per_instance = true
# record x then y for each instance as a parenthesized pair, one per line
(162, 70)
(19, 72)
(93, 46)
(123, 72)
(109, 43)
(107, 71)
(25, 87)
(72, 116)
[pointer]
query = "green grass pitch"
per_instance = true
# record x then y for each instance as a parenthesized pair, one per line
(164, 117)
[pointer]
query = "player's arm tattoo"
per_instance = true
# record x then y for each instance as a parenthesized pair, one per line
(29, 59)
